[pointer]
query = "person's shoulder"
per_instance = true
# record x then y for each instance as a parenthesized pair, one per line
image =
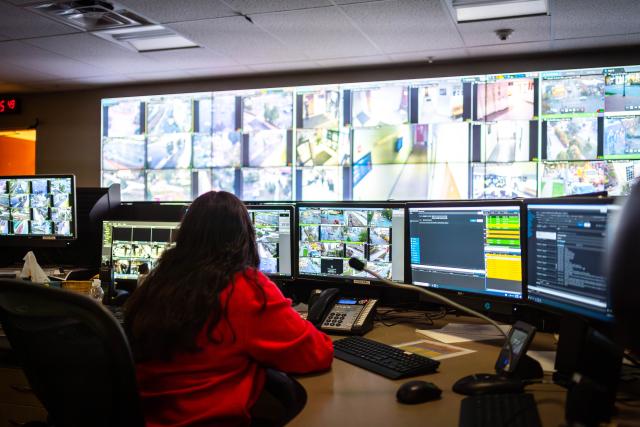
(252, 280)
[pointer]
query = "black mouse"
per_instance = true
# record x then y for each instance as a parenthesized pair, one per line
(487, 384)
(417, 392)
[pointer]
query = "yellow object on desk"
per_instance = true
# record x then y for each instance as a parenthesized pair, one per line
(79, 286)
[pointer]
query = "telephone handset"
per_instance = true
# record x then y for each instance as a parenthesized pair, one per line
(332, 313)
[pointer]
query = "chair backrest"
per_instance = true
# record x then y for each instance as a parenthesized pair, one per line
(74, 354)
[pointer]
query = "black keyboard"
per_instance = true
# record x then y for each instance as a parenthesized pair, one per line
(504, 410)
(383, 359)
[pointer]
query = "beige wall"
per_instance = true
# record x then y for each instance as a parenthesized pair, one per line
(69, 122)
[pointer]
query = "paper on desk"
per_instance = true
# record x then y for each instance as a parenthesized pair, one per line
(546, 358)
(464, 332)
(434, 350)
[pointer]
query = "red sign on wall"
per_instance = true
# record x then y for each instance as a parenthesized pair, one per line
(9, 104)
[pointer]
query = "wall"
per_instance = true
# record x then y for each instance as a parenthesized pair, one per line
(68, 123)
(18, 153)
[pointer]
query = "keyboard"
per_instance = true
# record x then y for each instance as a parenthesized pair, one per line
(117, 311)
(382, 359)
(490, 410)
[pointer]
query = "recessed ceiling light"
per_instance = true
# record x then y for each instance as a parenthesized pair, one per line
(147, 38)
(484, 10)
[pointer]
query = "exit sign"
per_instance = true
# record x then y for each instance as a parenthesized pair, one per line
(9, 104)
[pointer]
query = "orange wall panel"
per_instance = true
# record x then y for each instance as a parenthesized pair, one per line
(17, 156)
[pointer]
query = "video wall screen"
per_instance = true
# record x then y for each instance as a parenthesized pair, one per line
(488, 136)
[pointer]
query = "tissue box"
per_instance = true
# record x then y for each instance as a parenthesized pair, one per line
(79, 286)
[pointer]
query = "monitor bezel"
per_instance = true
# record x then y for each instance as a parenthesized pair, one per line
(51, 240)
(292, 235)
(466, 295)
(327, 279)
(553, 309)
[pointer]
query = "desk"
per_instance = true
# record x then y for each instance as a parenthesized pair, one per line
(350, 396)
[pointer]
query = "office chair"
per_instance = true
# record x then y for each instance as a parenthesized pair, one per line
(74, 354)
(282, 399)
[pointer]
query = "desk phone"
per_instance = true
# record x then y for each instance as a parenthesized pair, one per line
(333, 313)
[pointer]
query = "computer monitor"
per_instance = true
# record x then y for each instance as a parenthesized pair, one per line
(126, 244)
(329, 234)
(467, 248)
(37, 208)
(566, 246)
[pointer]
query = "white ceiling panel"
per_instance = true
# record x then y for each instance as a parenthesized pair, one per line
(238, 39)
(248, 7)
(284, 66)
(530, 29)
(406, 25)
(174, 11)
(356, 1)
(190, 58)
(28, 56)
(17, 23)
(218, 72)
(317, 33)
(159, 76)
(355, 61)
(423, 55)
(510, 49)
(594, 42)
(588, 18)
(16, 74)
(109, 57)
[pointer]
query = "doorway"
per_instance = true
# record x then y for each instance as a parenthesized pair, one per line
(18, 152)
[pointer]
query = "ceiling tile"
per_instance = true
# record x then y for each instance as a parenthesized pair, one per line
(357, 1)
(510, 49)
(354, 61)
(175, 11)
(159, 76)
(16, 74)
(190, 58)
(406, 25)
(588, 18)
(219, 72)
(596, 42)
(423, 55)
(535, 28)
(319, 33)
(238, 39)
(109, 57)
(34, 58)
(260, 6)
(18, 23)
(284, 66)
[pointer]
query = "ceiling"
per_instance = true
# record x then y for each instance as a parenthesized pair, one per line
(40, 54)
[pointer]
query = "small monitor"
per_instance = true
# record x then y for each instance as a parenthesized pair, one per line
(566, 243)
(331, 233)
(274, 238)
(467, 248)
(37, 207)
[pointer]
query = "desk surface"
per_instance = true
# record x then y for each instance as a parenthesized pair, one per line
(350, 395)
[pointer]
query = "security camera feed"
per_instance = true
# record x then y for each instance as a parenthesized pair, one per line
(169, 115)
(389, 145)
(132, 183)
(169, 185)
(471, 249)
(569, 178)
(267, 148)
(123, 118)
(445, 142)
(323, 147)
(37, 206)
(123, 153)
(266, 184)
(321, 109)
(572, 139)
(267, 110)
(222, 149)
(573, 95)
(620, 175)
(622, 90)
(171, 151)
(329, 236)
(445, 181)
(440, 101)
(320, 183)
(126, 245)
(504, 180)
(621, 137)
(224, 113)
(203, 108)
(389, 182)
(217, 179)
(378, 106)
(567, 249)
(506, 141)
(273, 237)
(505, 99)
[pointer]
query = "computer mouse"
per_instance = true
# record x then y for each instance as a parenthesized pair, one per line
(487, 384)
(417, 392)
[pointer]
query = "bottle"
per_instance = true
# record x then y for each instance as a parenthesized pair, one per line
(96, 291)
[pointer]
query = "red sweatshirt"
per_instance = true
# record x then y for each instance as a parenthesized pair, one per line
(220, 384)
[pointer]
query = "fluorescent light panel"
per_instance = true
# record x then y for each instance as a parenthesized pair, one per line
(147, 38)
(470, 10)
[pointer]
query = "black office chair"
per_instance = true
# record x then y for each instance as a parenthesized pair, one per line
(282, 399)
(74, 354)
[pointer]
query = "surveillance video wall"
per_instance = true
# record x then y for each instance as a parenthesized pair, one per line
(528, 134)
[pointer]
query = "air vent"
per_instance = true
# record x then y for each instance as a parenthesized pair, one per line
(89, 15)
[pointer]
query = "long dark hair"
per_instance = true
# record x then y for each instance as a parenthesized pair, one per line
(216, 241)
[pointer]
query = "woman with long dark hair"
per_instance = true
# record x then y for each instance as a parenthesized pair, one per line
(206, 323)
